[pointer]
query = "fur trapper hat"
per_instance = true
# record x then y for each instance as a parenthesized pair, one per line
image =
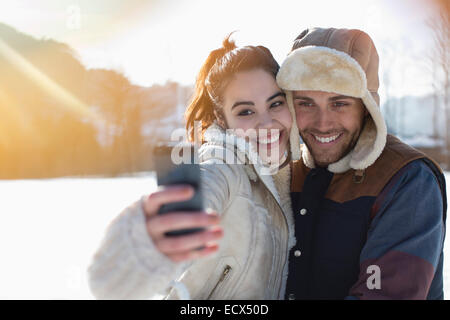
(345, 62)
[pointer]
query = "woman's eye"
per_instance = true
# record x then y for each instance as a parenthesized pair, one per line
(245, 113)
(276, 104)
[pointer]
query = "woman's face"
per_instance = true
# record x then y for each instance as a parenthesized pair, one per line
(253, 103)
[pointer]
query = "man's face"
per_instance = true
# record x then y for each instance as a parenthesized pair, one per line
(329, 123)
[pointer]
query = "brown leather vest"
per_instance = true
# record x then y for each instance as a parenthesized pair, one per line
(348, 186)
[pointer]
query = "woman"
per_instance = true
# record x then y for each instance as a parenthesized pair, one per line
(245, 245)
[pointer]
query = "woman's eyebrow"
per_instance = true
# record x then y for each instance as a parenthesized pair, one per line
(251, 103)
(279, 93)
(238, 103)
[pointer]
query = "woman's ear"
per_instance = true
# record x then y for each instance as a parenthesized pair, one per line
(220, 118)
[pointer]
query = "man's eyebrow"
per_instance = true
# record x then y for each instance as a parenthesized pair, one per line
(303, 98)
(279, 93)
(239, 103)
(340, 97)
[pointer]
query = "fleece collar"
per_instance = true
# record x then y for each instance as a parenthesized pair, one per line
(325, 69)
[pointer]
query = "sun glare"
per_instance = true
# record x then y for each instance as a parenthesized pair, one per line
(67, 100)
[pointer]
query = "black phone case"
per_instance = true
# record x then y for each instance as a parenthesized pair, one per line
(185, 173)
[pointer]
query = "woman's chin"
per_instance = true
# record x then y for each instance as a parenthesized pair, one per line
(273, 158)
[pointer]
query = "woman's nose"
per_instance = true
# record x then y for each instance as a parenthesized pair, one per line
(265, 121)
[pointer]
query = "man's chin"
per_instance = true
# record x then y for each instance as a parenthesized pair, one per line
(324, 160)
(323, 164)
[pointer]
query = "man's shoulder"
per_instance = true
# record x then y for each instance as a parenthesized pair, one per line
(417, 181)
(395, 157)
(417, 170)
(405, 158)
(397, 149)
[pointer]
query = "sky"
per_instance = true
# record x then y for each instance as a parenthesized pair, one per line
(158, 40)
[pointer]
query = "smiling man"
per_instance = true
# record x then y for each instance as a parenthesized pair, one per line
(331, 123)
(369, 209)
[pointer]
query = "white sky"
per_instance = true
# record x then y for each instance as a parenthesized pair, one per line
(155, 40)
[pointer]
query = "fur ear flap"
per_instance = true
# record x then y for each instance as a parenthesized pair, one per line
(365, 144)
(373, 138)
(307, 157)
(294, 137)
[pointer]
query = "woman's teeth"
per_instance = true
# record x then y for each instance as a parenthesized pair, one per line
(327, 139)
(269, 140)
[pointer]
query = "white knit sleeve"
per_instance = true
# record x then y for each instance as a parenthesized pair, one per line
(127, 265)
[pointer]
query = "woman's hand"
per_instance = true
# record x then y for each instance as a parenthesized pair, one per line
(186, 247)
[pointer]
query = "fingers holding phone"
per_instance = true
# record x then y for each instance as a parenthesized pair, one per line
(165, 195)
(185, 246)
(189, 246)
(177, 222)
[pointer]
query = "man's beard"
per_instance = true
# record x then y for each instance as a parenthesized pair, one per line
(324, 158)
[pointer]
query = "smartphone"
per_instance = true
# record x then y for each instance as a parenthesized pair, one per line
(177, 164)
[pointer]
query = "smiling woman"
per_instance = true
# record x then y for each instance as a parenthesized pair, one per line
(237, 88)
(247, 252)
(263, 116)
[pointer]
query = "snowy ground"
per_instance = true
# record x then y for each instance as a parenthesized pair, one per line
(50, 228)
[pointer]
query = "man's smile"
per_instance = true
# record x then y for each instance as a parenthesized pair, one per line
(326, 140)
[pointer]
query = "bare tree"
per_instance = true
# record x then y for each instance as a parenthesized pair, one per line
(390, 54)
(440, 26)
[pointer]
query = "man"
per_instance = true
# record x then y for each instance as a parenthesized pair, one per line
(369, 209)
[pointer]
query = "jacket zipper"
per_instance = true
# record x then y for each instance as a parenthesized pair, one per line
(225, 273)
(287, 238)
(286, 225)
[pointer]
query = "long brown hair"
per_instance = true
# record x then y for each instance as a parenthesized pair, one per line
(215, 74)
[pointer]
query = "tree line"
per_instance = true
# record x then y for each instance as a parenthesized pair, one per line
(58, 118)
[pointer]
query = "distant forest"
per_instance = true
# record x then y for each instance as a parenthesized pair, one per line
(58, 118)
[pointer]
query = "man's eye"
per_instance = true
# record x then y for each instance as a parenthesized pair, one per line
(245, 113)
(340, 104)
(305, 104)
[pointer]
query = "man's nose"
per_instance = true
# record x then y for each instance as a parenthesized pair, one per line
(324, 120)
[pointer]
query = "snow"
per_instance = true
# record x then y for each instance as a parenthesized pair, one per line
(49, 230)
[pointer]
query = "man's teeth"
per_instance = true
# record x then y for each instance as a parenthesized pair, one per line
(269, 140)
(326, 140)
